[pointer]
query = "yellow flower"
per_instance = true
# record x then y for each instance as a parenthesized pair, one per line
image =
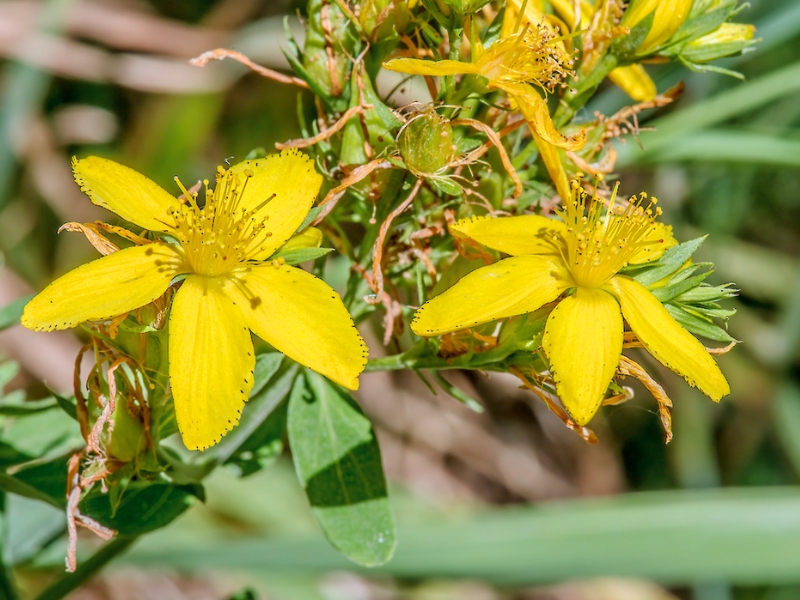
(667, 20)
(515, 64)
(581, 256)
(231, 287)
(633, 79)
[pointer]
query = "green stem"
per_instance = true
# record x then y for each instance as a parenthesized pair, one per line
(413, 359)
(455, 45)
(583, 90)
(72, 581)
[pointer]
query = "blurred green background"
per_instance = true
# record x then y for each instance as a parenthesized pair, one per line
(508, 504)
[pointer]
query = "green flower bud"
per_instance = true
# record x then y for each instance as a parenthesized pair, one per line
(127, 439)
(329, 71)
(465, 7)
(524, 332)
(426, 144)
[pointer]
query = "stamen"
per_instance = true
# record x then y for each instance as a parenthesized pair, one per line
(223, 234)
(602, 238)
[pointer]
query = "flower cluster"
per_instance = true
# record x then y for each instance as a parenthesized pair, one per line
(473, 229)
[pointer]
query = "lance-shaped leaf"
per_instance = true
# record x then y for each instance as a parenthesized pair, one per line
(338, 461)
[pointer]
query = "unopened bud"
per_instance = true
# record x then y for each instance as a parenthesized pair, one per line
(127, 439)
(426, 143)
(726, 40)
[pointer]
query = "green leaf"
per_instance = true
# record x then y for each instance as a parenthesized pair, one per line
(22, 408)
(13, 485)
(670, 261)
(145, 506)
(45, 433)
(49, 478)
(673, 290)
(468, 143)
(265, 444)
(68, 405)
(31, 527)
(312, 214)
(10, 456)
(708, 293)
(457, 393)
(745, 536)
(338, 461)
(445, 186)
(698, 325)
(11, 313)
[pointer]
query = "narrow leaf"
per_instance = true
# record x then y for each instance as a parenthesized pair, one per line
(698, 325)
(670, 262)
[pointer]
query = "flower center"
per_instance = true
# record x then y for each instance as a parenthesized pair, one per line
(532, 56)
(222, 233)
(601, 240)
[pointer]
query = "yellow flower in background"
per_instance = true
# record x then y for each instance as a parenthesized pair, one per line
(632, 79)
(668, 16)
(582, 256)
(515, 64)
(231, 287)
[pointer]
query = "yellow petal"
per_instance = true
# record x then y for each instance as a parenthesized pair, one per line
(525, 234)
(211, 361)
(534, 109)
(555, 168)
(437, 68)
(126, 192)
(290, 180)
(635, 82)
(660, 239)
(104, 288)
(304, 318)
(665, 339)
(512, 286)
(583, 342)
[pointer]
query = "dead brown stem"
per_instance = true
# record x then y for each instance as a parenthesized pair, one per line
(223, 53)
(495, 140)
(326, 133)
(585, 433)
(377, 249)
